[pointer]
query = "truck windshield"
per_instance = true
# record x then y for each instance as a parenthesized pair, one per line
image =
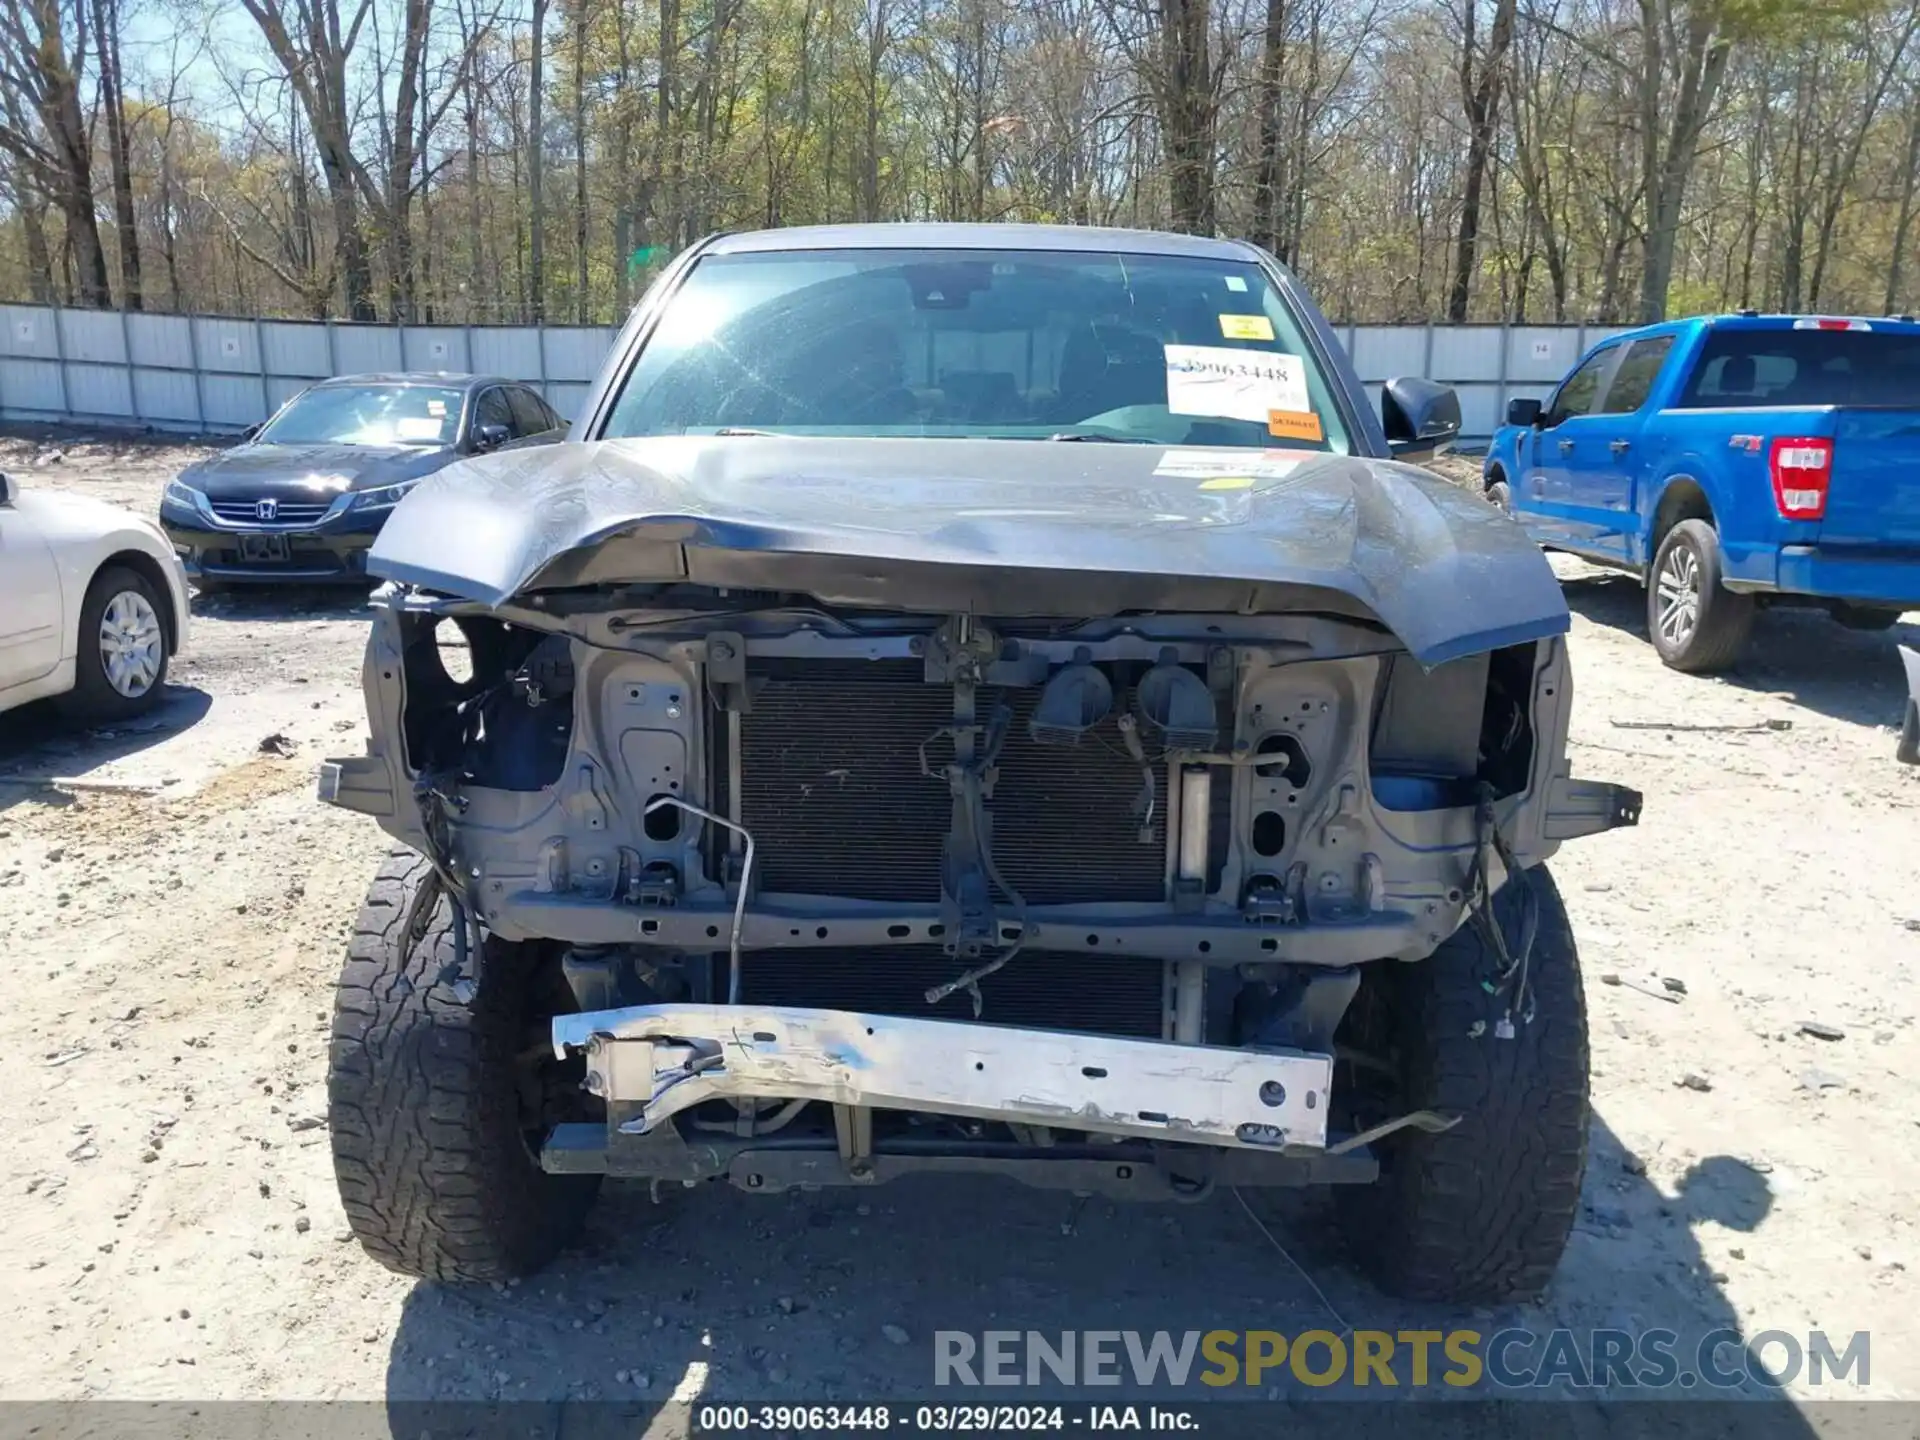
(1169, 350)
(1748, 369)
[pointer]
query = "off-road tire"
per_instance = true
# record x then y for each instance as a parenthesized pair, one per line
(93, 697)
(1480, 1213)
(429, 1151)
(1725, 619)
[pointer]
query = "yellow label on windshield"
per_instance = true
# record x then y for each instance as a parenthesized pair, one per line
(1228, 482)
(1246, 327)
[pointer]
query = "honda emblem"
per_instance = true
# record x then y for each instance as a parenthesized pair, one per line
(267, 509)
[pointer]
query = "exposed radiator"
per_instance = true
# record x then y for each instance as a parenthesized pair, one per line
(831, 785)
(831, 789)
(1064, 826)
(1105, 994)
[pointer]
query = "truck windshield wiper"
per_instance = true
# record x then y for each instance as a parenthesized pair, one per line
(743, 430)
(1093, 437)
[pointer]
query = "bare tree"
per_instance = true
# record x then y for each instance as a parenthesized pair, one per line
(536, 168)
(1414, 159)
(668, 154)
(1843, 159)
(1544, 81)
(1909, 195)
(106, 25)
(580, 297)
(43, 59)
(25, 202)
(1270, 184)
(1482, 77)
(406, 139)
(314, 49)
(877, 36)
(1187, 99)
(1684, 49)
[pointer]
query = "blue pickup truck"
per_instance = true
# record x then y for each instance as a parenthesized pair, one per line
(1731, 462)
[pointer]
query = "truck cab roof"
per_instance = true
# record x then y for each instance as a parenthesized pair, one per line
(1756, 320)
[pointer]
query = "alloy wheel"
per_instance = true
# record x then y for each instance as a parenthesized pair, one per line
(1678, 590)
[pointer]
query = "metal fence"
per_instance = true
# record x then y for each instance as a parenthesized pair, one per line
(207, 374)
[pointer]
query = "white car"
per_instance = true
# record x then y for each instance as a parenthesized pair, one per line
(93, 604)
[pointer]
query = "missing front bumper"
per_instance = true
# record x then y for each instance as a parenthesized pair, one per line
(652, 1062)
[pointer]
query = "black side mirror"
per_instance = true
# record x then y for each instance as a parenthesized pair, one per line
(252, 432)
(491, 436)
(1420, 417)
(9, 487)
(1524, 412)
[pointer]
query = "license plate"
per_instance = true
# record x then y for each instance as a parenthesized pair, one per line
(262, 549)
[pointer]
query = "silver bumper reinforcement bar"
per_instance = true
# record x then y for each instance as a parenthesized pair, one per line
(667, 1058)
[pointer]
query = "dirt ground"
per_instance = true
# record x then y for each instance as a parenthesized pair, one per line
(168, 1222)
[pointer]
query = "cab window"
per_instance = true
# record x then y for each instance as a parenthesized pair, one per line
(1632, 383)
(1580, 389)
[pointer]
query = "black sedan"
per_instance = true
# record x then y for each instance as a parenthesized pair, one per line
(302, 498)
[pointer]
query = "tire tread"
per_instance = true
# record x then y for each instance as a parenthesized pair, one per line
(433, 1174)
(1481, 1212)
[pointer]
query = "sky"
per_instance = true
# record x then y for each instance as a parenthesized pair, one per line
(213, 45)
(200, 36)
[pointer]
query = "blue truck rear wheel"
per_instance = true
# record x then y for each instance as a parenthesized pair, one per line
(1696, 623)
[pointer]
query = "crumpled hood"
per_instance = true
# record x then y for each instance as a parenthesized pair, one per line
(993, 526)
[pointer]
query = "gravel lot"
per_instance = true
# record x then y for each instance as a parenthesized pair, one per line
(168, 1223)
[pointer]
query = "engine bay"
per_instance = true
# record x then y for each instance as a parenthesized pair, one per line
(1067, 824)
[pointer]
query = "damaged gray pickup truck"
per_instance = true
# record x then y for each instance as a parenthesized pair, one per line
(969, 700)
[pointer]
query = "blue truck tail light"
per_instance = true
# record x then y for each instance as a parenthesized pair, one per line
(1802, 470)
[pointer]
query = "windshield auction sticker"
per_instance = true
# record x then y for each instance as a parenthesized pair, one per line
(1211, 466)
(1294, 424)
(1246, 327)
(1233, 384)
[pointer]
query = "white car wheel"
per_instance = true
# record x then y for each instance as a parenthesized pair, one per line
(133, 647)
(120, 667)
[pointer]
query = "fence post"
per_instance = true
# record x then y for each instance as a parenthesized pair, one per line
(260, 359)
(1500, 390)
(199, 380)
(60, 361)
(333, 352)
(126, 350)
